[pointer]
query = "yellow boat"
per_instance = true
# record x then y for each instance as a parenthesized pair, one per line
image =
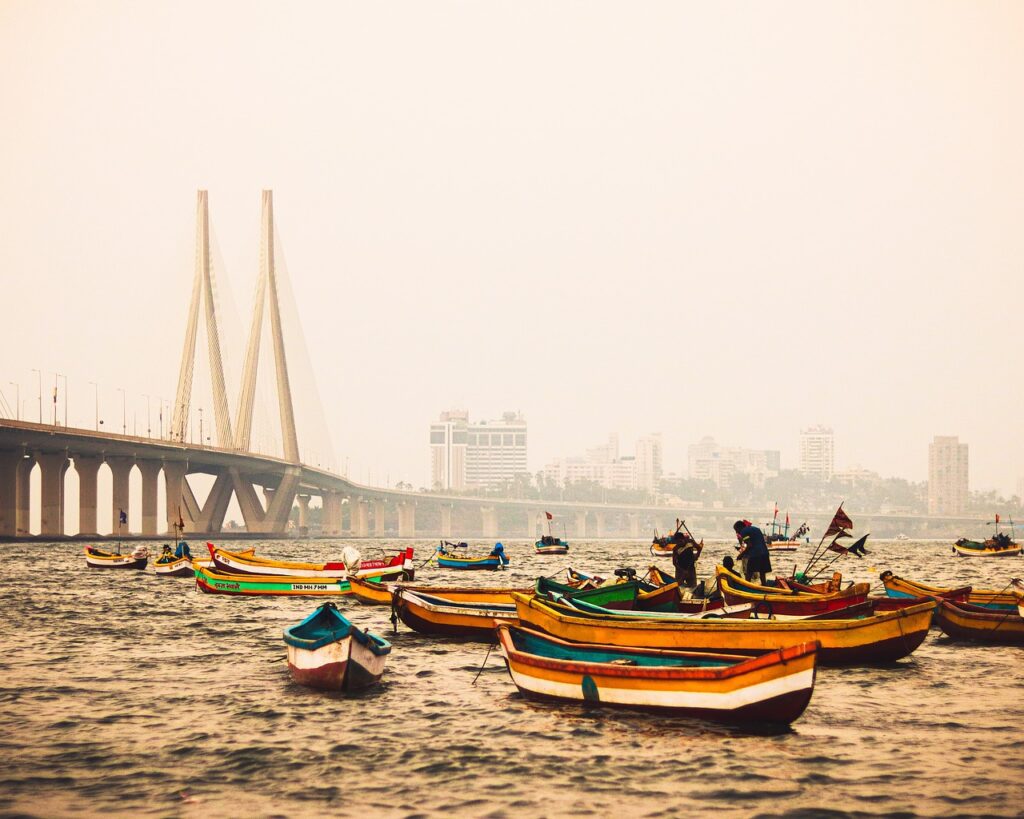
(879, 638)
(430, 614)
(896, 586)
(379, 594)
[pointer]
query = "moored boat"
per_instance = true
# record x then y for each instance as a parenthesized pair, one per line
(793, 603)
(98, 559)
(551, 545)
(326, 651)
(495, 560)
(226, 562)
(179, 567)
(896, 586)
(432, 614)
(377, 593)
(875, 639)
(212, 582)
(988, 548)
(966, 622)
(772, 688)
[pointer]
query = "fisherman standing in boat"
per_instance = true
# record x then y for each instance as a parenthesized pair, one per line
(753, 550)
(684, 558)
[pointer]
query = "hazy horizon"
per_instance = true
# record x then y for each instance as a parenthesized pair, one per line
(734, 220)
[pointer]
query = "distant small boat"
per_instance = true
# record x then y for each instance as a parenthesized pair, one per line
(989, 548)
(772, 688)
(495, 560)
(902, 536)
(550, 544)
(778, 539)
(98, 559)
(326, 651)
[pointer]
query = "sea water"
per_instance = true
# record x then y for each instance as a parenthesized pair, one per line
(124, 693)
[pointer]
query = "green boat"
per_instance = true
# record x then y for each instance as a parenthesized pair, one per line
(611, 596)
(254, 584)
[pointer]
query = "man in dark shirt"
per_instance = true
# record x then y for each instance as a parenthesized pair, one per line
(754, 549)
(684, 558)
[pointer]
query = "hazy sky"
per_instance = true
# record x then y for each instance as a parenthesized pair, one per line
(733, 219)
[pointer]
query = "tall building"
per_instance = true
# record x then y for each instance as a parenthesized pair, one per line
(466, 455)
(947, 476)
(708, 461)
(817, 452)
(648, 461)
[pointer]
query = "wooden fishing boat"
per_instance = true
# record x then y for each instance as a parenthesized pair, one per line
(791, 603)
(772, 688)
(993, 547)
(778, 539)
(200, 561)
(495, 560)
(963, 621)
(378, 593)
(226, 562)
(551, 545)
(326, 651)
(431, 614)
(898, 587)
(98, 559)
(571, 605)
(782, 585)
(179, 567)
(212, 582)
(876, 639)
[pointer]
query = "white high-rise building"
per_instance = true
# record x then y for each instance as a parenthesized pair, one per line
(947, 476)
(648, 461)
(464, 455)
(817, 452)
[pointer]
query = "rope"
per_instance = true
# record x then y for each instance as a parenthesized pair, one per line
(484, 664)
(1009, 612)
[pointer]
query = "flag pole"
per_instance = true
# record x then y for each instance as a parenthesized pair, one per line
(814, 555)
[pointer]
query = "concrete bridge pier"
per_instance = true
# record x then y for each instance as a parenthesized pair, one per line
(303, 501)
(53, 465)
(379, 518)
(174, 479)
(331, 514)
(407, 519)
(446, 520)
(87, 467)
(490, 521)
(634, 525)
(581, 525)
(150, 471)
(599, 520)
(532, 516)
(120, 469)
(9, 463)
(360, 517)
(24, 517)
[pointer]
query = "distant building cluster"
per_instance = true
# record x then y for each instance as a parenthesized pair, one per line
(480, 455)
(708, 461)
(947, 476)
(604, 465)
(817, 452)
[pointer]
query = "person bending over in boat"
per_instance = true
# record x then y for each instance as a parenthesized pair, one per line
(166, 556)
(183, 550)
(753, 551)
(684, 558)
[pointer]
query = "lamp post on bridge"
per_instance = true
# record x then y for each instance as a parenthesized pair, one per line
(65, 400)
(202, 441)
(17, 403)
(149, 428)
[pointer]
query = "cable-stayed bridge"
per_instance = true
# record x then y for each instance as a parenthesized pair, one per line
(267, 483)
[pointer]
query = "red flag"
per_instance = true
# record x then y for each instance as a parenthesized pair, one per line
(181, 521)
(776, 510)
(839, 522)
(997, 517)
(835, 547)
(787, 518)
(550, 516)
